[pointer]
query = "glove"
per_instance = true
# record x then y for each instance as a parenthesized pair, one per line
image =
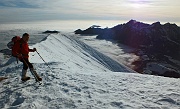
(34, 49)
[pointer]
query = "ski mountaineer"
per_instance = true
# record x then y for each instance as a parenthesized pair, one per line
(21, 51)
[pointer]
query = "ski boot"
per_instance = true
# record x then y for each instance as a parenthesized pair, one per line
(24, 77)
(34, 73)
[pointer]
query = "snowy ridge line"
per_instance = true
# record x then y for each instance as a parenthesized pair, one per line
(103, 59)
(65, 52)
(79, 81)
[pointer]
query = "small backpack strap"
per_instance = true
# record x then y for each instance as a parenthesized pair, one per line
(20, 45)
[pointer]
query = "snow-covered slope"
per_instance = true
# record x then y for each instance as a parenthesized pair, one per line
(83, 78)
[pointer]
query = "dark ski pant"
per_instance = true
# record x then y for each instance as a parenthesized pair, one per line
(26, 63)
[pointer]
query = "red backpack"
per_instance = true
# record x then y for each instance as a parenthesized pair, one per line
(13, 41)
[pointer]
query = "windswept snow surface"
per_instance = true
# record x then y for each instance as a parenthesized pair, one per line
(82, 78)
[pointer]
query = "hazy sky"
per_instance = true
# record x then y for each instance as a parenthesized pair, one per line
(142, 10)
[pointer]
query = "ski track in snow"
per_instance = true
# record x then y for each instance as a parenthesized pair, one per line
(83, 78)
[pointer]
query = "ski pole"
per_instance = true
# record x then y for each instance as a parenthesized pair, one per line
(44, 60)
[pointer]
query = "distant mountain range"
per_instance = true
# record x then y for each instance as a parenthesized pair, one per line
(155, 37)
(155, 40)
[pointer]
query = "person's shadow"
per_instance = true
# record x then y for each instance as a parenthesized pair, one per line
(7, 53)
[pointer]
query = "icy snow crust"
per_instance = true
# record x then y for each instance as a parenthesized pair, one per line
(83, 78)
